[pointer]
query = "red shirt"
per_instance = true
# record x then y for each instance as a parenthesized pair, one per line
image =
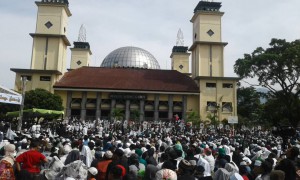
(31, 160)
(245, 177)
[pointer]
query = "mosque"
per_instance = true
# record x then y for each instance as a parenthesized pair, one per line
(130, 78)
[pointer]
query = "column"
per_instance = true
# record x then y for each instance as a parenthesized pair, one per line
(83, 106)
(98, 105)
(142, 110)
(170, 102)
(156, 104)
(184, 106)
(68, 104)
(112, 106)
(127, 110)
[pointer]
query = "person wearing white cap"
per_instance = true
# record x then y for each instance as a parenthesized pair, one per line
(92, 173)
(204, 163)
(102, 165)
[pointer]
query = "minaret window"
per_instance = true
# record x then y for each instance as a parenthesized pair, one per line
(211, 85)
(211, 106)
(181, 66)
(78, 62)
(227, 85)
(210, 32)
(48, 24)
(226, 107)
(45, 78)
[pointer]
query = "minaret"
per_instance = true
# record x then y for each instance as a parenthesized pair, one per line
(207, 49)
(180, 56)
(81, 52)
(49, 50)
(218, 97)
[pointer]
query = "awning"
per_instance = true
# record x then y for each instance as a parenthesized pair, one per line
(35, 112)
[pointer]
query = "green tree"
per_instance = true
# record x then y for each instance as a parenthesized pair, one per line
(276, 68)
(118, 114)
(213, 119)
(275, 113)
(249, 106)
(135, 114)
(42, 99)
(4, 108)
(194, 118)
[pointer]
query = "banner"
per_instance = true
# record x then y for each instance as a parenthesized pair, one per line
(233, 120)
(10, 98)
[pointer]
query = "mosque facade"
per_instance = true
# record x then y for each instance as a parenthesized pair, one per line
(130, 78)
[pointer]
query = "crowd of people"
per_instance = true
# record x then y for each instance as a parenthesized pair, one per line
(116, 151)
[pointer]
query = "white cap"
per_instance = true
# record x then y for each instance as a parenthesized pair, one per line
(93, 171)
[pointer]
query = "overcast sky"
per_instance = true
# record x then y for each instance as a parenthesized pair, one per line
(148, 24)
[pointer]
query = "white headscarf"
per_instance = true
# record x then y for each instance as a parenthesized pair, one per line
(166, 174)
(10, 152)
(86, 152)
(221, 174)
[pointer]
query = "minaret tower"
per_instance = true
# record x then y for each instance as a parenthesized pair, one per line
(180, 56)
(49, 50)
(207, 49)
(218, 97)
(81, 52)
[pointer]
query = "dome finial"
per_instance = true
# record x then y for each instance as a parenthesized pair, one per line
(82, 34)
(180, 40)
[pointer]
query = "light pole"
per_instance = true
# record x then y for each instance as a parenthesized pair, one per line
(23, 79)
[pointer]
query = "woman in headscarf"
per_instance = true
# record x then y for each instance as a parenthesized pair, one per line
(135, 167)
(166, 174)
(231, 168)
(6, 164)
(72, 156)
(185, 170)
(150, 172)
(150, 159)
(86, 155)
(221, 174)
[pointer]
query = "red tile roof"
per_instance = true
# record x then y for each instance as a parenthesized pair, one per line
(127, 79)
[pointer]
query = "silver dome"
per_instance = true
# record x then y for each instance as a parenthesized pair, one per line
(130, 57)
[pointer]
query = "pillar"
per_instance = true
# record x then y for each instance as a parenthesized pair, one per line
(142, 110)
(170, 102)
(68, 104)
(83, 106)
(184, 106)
(127, 110)
(112, 106)
(98, 105)
(156, 104)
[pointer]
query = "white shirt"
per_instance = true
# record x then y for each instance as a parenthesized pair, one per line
(204, 163)
(210, 159)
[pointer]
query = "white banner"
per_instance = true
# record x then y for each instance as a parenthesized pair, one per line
(233, 120)
(10, 98)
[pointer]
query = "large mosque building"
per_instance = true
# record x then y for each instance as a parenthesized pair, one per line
(130, 78)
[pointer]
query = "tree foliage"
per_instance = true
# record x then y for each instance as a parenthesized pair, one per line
(276, 68)
(135, 114)
(118, 114)
(249, 106)
(42, 99)
(4, 108)
(193, 117)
